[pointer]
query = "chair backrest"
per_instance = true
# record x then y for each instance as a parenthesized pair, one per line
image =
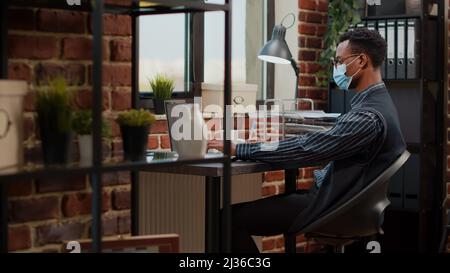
(363, 214)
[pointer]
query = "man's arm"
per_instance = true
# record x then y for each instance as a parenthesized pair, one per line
(352, 133)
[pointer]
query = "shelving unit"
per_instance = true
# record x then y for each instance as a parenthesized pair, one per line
(413, 221)
(97, 8)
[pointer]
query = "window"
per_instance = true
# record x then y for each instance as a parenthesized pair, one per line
(163, 49)
(248, 37)
(178, 44)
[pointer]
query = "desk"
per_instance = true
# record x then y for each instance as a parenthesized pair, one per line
(212, 172)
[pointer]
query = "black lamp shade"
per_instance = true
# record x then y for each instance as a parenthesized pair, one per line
(276, 50)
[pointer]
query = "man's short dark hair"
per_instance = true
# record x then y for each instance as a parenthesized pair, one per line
(370, 42)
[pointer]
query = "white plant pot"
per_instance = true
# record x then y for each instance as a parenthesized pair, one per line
(11, 123)
(85, 148)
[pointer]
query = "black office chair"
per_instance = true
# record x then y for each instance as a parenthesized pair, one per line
(360, 217)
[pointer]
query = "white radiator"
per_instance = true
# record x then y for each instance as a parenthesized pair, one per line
(174, 203)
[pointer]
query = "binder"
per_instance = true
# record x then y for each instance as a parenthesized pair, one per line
(390, 62)
(371, 25)
(412, 52)
(401, 46)
(361, 24)
(381, 24)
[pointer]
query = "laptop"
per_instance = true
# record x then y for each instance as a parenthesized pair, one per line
(169, 105)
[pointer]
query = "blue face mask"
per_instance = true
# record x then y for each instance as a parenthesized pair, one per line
(342, 80)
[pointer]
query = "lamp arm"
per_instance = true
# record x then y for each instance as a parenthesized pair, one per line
(297, 72)
(294, 66)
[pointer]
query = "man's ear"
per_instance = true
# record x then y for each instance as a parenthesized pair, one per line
(363, 61)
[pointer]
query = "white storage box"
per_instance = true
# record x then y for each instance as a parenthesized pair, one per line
(11, 123)
(242, 94)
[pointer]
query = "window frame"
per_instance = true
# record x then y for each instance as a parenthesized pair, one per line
(194, 67)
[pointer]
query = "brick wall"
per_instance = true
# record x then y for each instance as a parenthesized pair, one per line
(44, 43)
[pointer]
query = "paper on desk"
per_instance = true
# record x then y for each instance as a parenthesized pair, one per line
(311, 114)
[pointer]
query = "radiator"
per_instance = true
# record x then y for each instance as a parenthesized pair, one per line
(174, 203)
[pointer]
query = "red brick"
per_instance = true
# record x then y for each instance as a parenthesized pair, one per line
(313, 17)
(307, 81)
(19, 71)
(315, 94)
(80, 48)
(110, 225)
(314, 43)
(268, 244)
(116, 178)
(307, 55)
(74, 73)
(159, 127)
(301, 41)
(119, 25)
(323, 6)
(41, 208)
(301, 16)
(21, 19)
(81, 203)
(306, 185)
(302, 67)
(20, 188)
(307, 29)
(117, 147)
(83, 99)
(279, 243)
(57, 233)
(165, 142)
(121, 50)
(124, 224)
(153, 142)
(121, 199)
(32, 47)
(307, 4)
(321, 30)
(68, 183)
(19, 238)
(115, 75)
(274, 176)
(29, 127)
(29, 101)
(308, 172)
(300, 238)
(61, 21)
(312, 68)
(121, 100)
(115, 129)
(268, 190)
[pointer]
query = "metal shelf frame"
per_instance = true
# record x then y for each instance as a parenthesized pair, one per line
(97, 8)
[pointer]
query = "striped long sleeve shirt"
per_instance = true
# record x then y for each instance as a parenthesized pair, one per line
(354, 132)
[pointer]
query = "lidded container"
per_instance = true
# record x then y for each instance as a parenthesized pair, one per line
(12, 95)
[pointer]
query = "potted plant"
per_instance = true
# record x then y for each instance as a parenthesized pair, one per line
(82, 125)
(135, 127)
(54, 113)
(162, 87)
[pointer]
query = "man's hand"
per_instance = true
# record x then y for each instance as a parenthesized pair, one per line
(218, 145)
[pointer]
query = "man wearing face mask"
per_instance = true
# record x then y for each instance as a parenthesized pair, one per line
(361, 145)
